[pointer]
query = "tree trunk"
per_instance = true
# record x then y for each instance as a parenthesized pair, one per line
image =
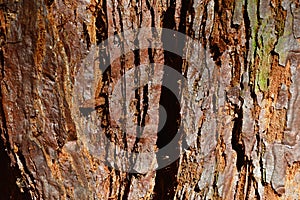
(96, 104)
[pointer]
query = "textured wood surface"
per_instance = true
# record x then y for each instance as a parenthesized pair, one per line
(236, 105)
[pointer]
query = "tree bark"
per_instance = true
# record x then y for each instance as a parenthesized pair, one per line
(77, 114)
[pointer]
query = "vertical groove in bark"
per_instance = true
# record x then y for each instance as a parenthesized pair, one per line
(165, 180)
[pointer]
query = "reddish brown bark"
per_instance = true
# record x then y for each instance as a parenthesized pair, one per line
(237, 113)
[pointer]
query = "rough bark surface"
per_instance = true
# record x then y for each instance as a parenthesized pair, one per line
(238, 111)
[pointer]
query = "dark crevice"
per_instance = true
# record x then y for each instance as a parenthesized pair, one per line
(166, 181)
(190, 21)
(215, 184)
(101, 24)
(10, 175)
(247, 33)
(118, 174)
(137, 92)
(185, 5)
(145, 105)
(49, 2)
(151, 12)
(236, 141)
(203, 25)
(111, 180)
(27, 171)
(2, 62)
(215, 50)
(260, 145)
(197, 189)
(168, 17)
(250, 175)
(86, 36)
(257, 195)
(171, 105)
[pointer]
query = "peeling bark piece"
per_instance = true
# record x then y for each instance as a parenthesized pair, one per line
(280, 165)
(282, 100)
(248, 133)
(208, 136)
(293, 112)
(268, 163)
(92, 103)
(207, 176)
(296, 19)
(238, 12)
(290, 138)
(287, 41)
